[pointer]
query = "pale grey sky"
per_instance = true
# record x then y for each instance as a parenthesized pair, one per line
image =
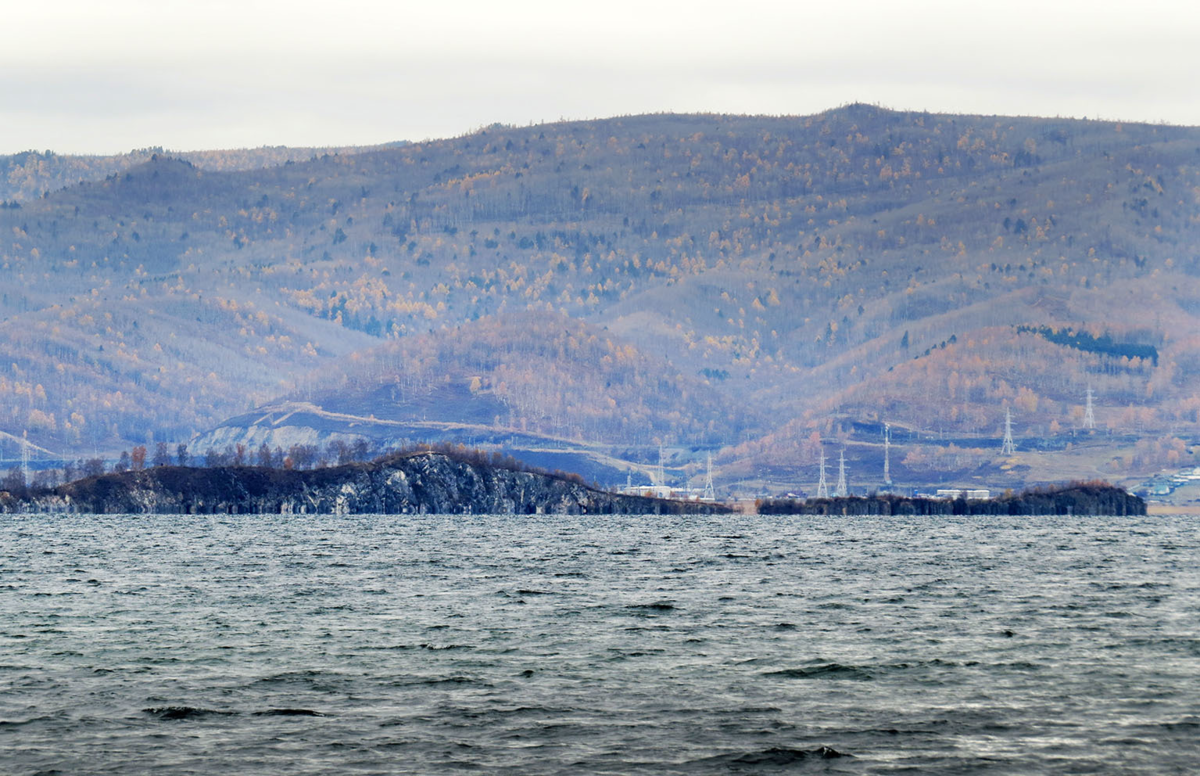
(92, 76)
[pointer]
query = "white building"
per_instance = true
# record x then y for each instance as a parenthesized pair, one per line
(970, 494)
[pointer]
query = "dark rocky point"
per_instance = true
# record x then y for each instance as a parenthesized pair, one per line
(411, 482)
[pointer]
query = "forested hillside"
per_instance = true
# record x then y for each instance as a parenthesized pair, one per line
(757, 285)
(533, 372)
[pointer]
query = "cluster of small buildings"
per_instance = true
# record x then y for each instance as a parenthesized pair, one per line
(970, 494)
(1166, 484)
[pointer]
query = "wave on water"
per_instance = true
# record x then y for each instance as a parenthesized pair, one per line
(173, 713)
(774, 756)
(864, 673)
(177, 713)
(827, 671)
(656, 606)
(10, 723)
(315, 680)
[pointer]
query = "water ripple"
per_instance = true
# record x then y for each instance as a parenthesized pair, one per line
(597, 645)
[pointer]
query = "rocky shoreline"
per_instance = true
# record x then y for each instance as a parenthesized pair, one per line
(404, 483)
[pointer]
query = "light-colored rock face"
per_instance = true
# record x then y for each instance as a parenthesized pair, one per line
(255, 436)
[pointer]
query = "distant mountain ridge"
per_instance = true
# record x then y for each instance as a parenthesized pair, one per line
(33, 174)
(821, 275)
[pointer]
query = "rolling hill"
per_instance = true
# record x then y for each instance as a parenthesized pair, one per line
(798, 278)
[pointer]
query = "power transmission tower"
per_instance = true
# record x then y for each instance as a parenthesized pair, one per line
(822, 487)
(710, 493)
(1089, 414)
(1008, 447)
(841, 486)
(887, 450)
(25, 457)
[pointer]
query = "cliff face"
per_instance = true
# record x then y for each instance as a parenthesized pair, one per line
(408, 483)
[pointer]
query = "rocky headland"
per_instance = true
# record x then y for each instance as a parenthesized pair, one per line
(411, 482)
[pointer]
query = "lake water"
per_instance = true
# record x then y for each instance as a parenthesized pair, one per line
(598, 645)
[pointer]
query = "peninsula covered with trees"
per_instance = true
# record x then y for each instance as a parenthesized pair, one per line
(445, 481)
(1079, 498)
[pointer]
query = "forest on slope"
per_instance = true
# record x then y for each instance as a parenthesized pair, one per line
(537, 372)
(822, 275)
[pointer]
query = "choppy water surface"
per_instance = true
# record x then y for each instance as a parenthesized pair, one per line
(404, 644)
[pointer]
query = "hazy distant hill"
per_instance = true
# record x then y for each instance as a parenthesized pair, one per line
(33, 174)
(826, 273)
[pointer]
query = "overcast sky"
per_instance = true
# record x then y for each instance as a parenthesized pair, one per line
(103, 76)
